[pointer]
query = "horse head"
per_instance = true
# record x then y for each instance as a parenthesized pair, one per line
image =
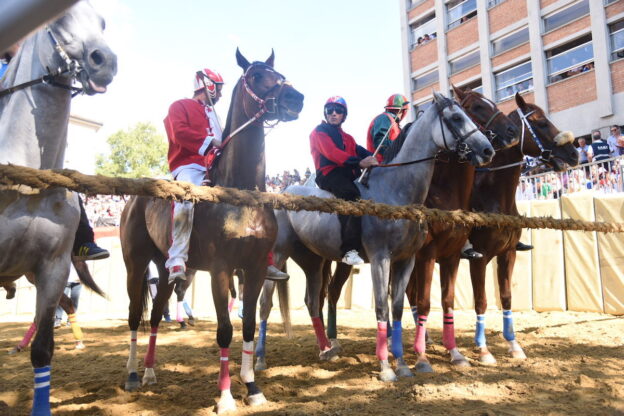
(458, 133)
(491, 121)
(78, 34)
(268, 92)
(541, 138)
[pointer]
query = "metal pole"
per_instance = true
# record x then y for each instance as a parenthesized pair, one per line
(20, 17)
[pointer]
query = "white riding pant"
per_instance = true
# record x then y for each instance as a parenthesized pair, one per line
(183, 220)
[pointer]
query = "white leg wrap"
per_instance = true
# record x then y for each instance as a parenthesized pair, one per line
(132, 359)
(247, 371)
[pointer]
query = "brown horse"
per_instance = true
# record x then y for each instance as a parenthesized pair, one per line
(494, 191)
(451, 189)
(224, 237)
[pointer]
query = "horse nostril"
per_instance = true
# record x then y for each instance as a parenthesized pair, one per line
(96, 57)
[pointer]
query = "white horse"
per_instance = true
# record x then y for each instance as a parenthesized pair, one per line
(37, 231)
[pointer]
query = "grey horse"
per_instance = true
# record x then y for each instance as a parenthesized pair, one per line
(389, 245)
(37, 230)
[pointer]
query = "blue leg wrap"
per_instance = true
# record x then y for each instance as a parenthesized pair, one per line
(397, 339)
(480, 331)
(41, 399)
(508, 329)
(261, 339)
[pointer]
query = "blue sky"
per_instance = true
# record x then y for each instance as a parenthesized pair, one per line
(342, 47)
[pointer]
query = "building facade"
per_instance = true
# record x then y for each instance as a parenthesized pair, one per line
(567, 56)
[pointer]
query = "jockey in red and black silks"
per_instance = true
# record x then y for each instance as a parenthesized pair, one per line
(338, 159)
(386, 125)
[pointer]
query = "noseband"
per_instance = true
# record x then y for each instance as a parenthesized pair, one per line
(461, 148)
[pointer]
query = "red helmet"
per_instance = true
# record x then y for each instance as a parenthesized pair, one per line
(397, 102)
(210, 78)
(337, 100)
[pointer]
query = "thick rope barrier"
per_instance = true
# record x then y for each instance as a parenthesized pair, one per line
(12, 175)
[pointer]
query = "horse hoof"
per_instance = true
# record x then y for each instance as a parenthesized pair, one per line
(329, 355)
(226, 404)
(133, 383)
(423, 367)
(149, 377)
(404, 371)
(387, 375)
(260, 364)
(487, 359)
(256, 399)
(518, 354)
(80, 345)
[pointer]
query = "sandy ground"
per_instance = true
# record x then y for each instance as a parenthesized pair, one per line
(575, 366)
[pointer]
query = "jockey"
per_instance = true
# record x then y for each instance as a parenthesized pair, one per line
(192, 129)
(386, 125)
(338, 159)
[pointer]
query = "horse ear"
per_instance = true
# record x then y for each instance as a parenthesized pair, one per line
(241, 60)
(271, 59)
(459, 93)
(520, 102)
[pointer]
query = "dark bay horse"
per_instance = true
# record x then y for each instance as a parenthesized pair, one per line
(38, 230)
(224, 237)
(494, 191)
(451, 189)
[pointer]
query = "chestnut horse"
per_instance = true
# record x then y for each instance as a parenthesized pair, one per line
(224, 237)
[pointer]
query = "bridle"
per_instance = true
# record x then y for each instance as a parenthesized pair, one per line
(70, 67)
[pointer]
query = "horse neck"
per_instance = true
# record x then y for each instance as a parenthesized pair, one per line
(409, 184)
(242, 163)
(38, 115)
(451, 184)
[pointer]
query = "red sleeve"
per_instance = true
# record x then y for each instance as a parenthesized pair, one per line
(188, 131)
(326, 147)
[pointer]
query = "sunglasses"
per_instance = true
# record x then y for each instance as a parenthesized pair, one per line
(334, 109)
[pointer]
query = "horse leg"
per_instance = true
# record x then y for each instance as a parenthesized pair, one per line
(380, 271)
(477, 276)
(401, 271)
(254, 279)
(162, 297)
(266, 303)
(220, 284)
(340, 277)
(448, 276)
(50, 280)
(424, 270)
(506, 263)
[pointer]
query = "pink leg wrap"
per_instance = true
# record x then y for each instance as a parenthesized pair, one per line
(231, 304)
(321, 337)
(448, 333)
(179, 311)
(421, 328)
(27, 336)
(224, 371)
(382, 341)
(150, 357)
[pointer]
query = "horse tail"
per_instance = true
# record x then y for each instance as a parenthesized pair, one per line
(283, 295)
(85, 276)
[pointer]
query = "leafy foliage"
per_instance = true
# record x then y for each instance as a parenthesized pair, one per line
(136, 152)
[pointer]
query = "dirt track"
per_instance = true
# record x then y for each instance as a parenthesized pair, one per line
(575, 366)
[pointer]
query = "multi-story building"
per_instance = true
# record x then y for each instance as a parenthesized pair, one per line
(567, 56)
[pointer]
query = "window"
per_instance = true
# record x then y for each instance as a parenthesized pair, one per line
(512, 80)
(424, 80)
(570, 59)
(459, 11)
(492, 3)
(510, 41)
(419, 109)
(422, 27)
(565, 16)
(616, 34)
(464, 62)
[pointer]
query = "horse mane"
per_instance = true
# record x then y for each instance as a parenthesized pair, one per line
(395, 146)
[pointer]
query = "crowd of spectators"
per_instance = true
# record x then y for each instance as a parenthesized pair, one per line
(278, 183)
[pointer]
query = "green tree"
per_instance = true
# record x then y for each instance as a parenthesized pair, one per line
(136, 152)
